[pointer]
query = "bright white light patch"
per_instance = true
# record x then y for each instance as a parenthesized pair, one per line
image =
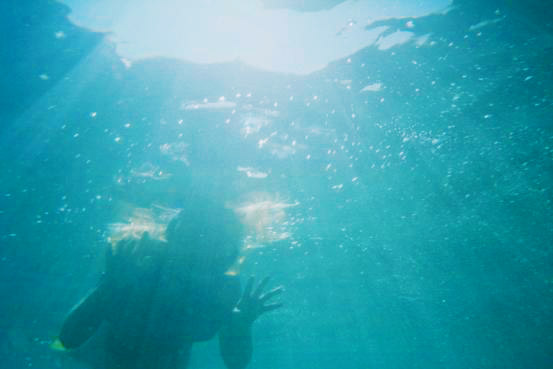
(221, 104)
(253, 173)
(372, 87)
(485, 23)
(222, 31)
(391, 40)
(265, 216)
(176, 151)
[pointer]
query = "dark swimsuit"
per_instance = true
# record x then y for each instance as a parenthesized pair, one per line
(161, 313)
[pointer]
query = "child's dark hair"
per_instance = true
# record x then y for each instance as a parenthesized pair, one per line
(213, 230)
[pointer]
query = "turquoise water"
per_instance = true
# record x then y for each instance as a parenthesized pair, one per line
(407, 189)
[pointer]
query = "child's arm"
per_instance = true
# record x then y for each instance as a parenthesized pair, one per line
(84, 319)
(235, 337)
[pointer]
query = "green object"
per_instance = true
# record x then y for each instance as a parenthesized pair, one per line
(57, 345)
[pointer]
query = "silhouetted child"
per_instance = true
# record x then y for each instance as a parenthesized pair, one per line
(156, 298)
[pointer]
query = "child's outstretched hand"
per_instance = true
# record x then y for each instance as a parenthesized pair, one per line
(253, 304)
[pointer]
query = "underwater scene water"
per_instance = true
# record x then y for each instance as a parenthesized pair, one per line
(394, 173)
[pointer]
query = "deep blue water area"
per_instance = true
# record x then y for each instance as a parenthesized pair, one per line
(420, 222)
